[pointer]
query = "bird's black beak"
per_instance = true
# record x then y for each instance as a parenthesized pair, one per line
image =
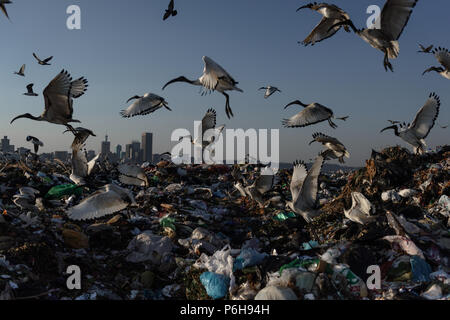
(167, 107)
(390, 127)
(294, 102)
(26, 115)
(303, 7)
(135, 97)
(179, 79)
(311, 142)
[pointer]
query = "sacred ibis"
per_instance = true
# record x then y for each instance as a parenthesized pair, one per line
(336, 150)
(269, 91)
(58, 97)
(331, 15)
(143, 105)
(393, 20)
(415, 133)
(443, 56)
(214, 78)
(304, 188)
(107, 200)
(36, 143)
(425, 50)
(311, 114)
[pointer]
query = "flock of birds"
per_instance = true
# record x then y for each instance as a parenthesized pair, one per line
(60, 93)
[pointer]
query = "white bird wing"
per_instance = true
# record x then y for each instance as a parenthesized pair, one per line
(443, 56)
(22, 69)
(361, 202)
(99, 204)
(426, 117)
(298, 177)
(91, 164)
(323, 138)
(209, 120)
(308, 116)
(78, 87)
(132, 175)
(322, 31)
(212, 72)
(79, 161)
(395, 16)
(143, 106)
(308, 194)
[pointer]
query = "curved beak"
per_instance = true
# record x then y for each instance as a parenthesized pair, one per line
(26, 115)
(132, 98)
(311, 142)
(179, 79)
(303, 7)
(390, 127)
(294, 102)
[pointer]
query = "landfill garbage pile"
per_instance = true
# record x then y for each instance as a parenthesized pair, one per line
(184, 232)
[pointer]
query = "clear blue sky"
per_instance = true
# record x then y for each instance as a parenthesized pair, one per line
(124, 48)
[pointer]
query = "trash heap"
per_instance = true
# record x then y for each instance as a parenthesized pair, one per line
(192, 236)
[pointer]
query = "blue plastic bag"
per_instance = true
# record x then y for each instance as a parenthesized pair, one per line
(216, 285)
(247, 258)
(420, 269)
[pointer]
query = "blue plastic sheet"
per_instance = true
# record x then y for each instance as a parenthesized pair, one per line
(216, 285)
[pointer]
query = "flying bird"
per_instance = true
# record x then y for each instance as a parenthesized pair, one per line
(311, 114)
(208, 123)
(304, 188)
(425, 50)
(269, 91)
(170, 10)
(326, 27)
(81, 168)
(415, 133)
(360, 210)
(263, 184)
(443, 56)
(43, 62)
(81, 135)
(21, 71)
(36, 142)
(3, 8)
(58, 97)
(30, 92)
(393, 20)
(132, 174)
(214, 78)
(143, 105)
(443, 127)
(107, 200)
(336, 150)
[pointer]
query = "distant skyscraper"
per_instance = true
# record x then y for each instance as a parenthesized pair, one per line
(136, 151)
(147, 147)
(6, 147)
(118, 151)
(61, 155)
(106, 146)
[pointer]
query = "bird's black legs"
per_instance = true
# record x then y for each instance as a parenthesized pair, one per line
(228, 110)
(386, 63)
(332, 124)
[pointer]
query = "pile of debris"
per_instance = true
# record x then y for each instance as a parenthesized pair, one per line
(184, 232)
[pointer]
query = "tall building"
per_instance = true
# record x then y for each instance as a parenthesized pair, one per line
(106, 146)
(147, 147)
(136, 155)
(128, 152)
(61, 155)
(118, 151)
(5, 146)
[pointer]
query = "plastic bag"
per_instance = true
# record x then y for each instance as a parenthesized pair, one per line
(248, 257)
(216, 285)
(62, 190)
(276, 293)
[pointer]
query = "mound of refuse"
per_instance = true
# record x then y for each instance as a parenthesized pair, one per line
(383, 233)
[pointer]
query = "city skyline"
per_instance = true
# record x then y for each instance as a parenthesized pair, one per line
(111, 53)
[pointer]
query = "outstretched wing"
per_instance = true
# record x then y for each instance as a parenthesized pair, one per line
(209, 120)
(143, 106)
(426, 117)
(395, 16)
(310, 187)
(99, 204)
(264, 183)
(56, 95)
(322, 31)
(78, 87)
(361, 202)
(212, 72)
(443, 56)
(308, 116)
(298, 177)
